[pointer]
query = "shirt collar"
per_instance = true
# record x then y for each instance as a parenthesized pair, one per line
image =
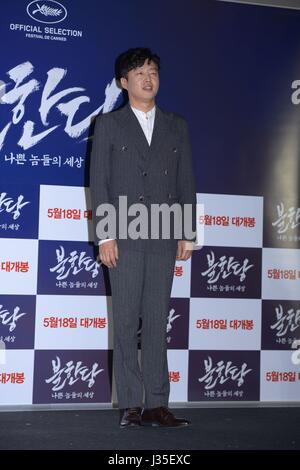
(150, 113)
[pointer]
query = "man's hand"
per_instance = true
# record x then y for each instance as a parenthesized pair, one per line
(184, 250)
(109, 254)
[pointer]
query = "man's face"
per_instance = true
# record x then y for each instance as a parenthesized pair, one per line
(142, 83)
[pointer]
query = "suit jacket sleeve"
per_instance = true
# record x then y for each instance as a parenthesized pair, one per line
(186, 181)
(100, 168)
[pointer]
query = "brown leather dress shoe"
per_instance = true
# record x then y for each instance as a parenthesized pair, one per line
(130, 417)
(162, 416)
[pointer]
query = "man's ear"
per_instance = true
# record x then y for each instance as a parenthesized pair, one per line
(123, 82)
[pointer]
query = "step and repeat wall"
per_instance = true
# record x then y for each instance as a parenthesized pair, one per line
(234, 320)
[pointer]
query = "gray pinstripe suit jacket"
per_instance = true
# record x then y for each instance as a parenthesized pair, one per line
(123, 163)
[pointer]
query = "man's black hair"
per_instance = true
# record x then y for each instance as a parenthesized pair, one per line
(132, 59)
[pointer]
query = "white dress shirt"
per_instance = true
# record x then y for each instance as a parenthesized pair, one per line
(146, 121)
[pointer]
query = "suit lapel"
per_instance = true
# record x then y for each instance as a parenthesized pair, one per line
(136, 134)
(159, 132)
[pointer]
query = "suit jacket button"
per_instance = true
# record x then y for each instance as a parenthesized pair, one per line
(174, 149)
(166, 172)
(141, 198)
(144, 173)
(124, 148)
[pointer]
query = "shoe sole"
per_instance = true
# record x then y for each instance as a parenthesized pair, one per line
(158, 425)
(130, 426)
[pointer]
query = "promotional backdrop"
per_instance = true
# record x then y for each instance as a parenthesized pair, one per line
(233, 72)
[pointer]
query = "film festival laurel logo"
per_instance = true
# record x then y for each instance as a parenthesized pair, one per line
(48, 11)
(46, 15)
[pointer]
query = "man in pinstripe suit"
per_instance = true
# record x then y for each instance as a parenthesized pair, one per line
(143, 153)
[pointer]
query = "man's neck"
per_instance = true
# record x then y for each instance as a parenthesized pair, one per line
(141, 106)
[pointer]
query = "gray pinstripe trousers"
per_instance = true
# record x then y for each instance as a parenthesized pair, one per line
(141, 287)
